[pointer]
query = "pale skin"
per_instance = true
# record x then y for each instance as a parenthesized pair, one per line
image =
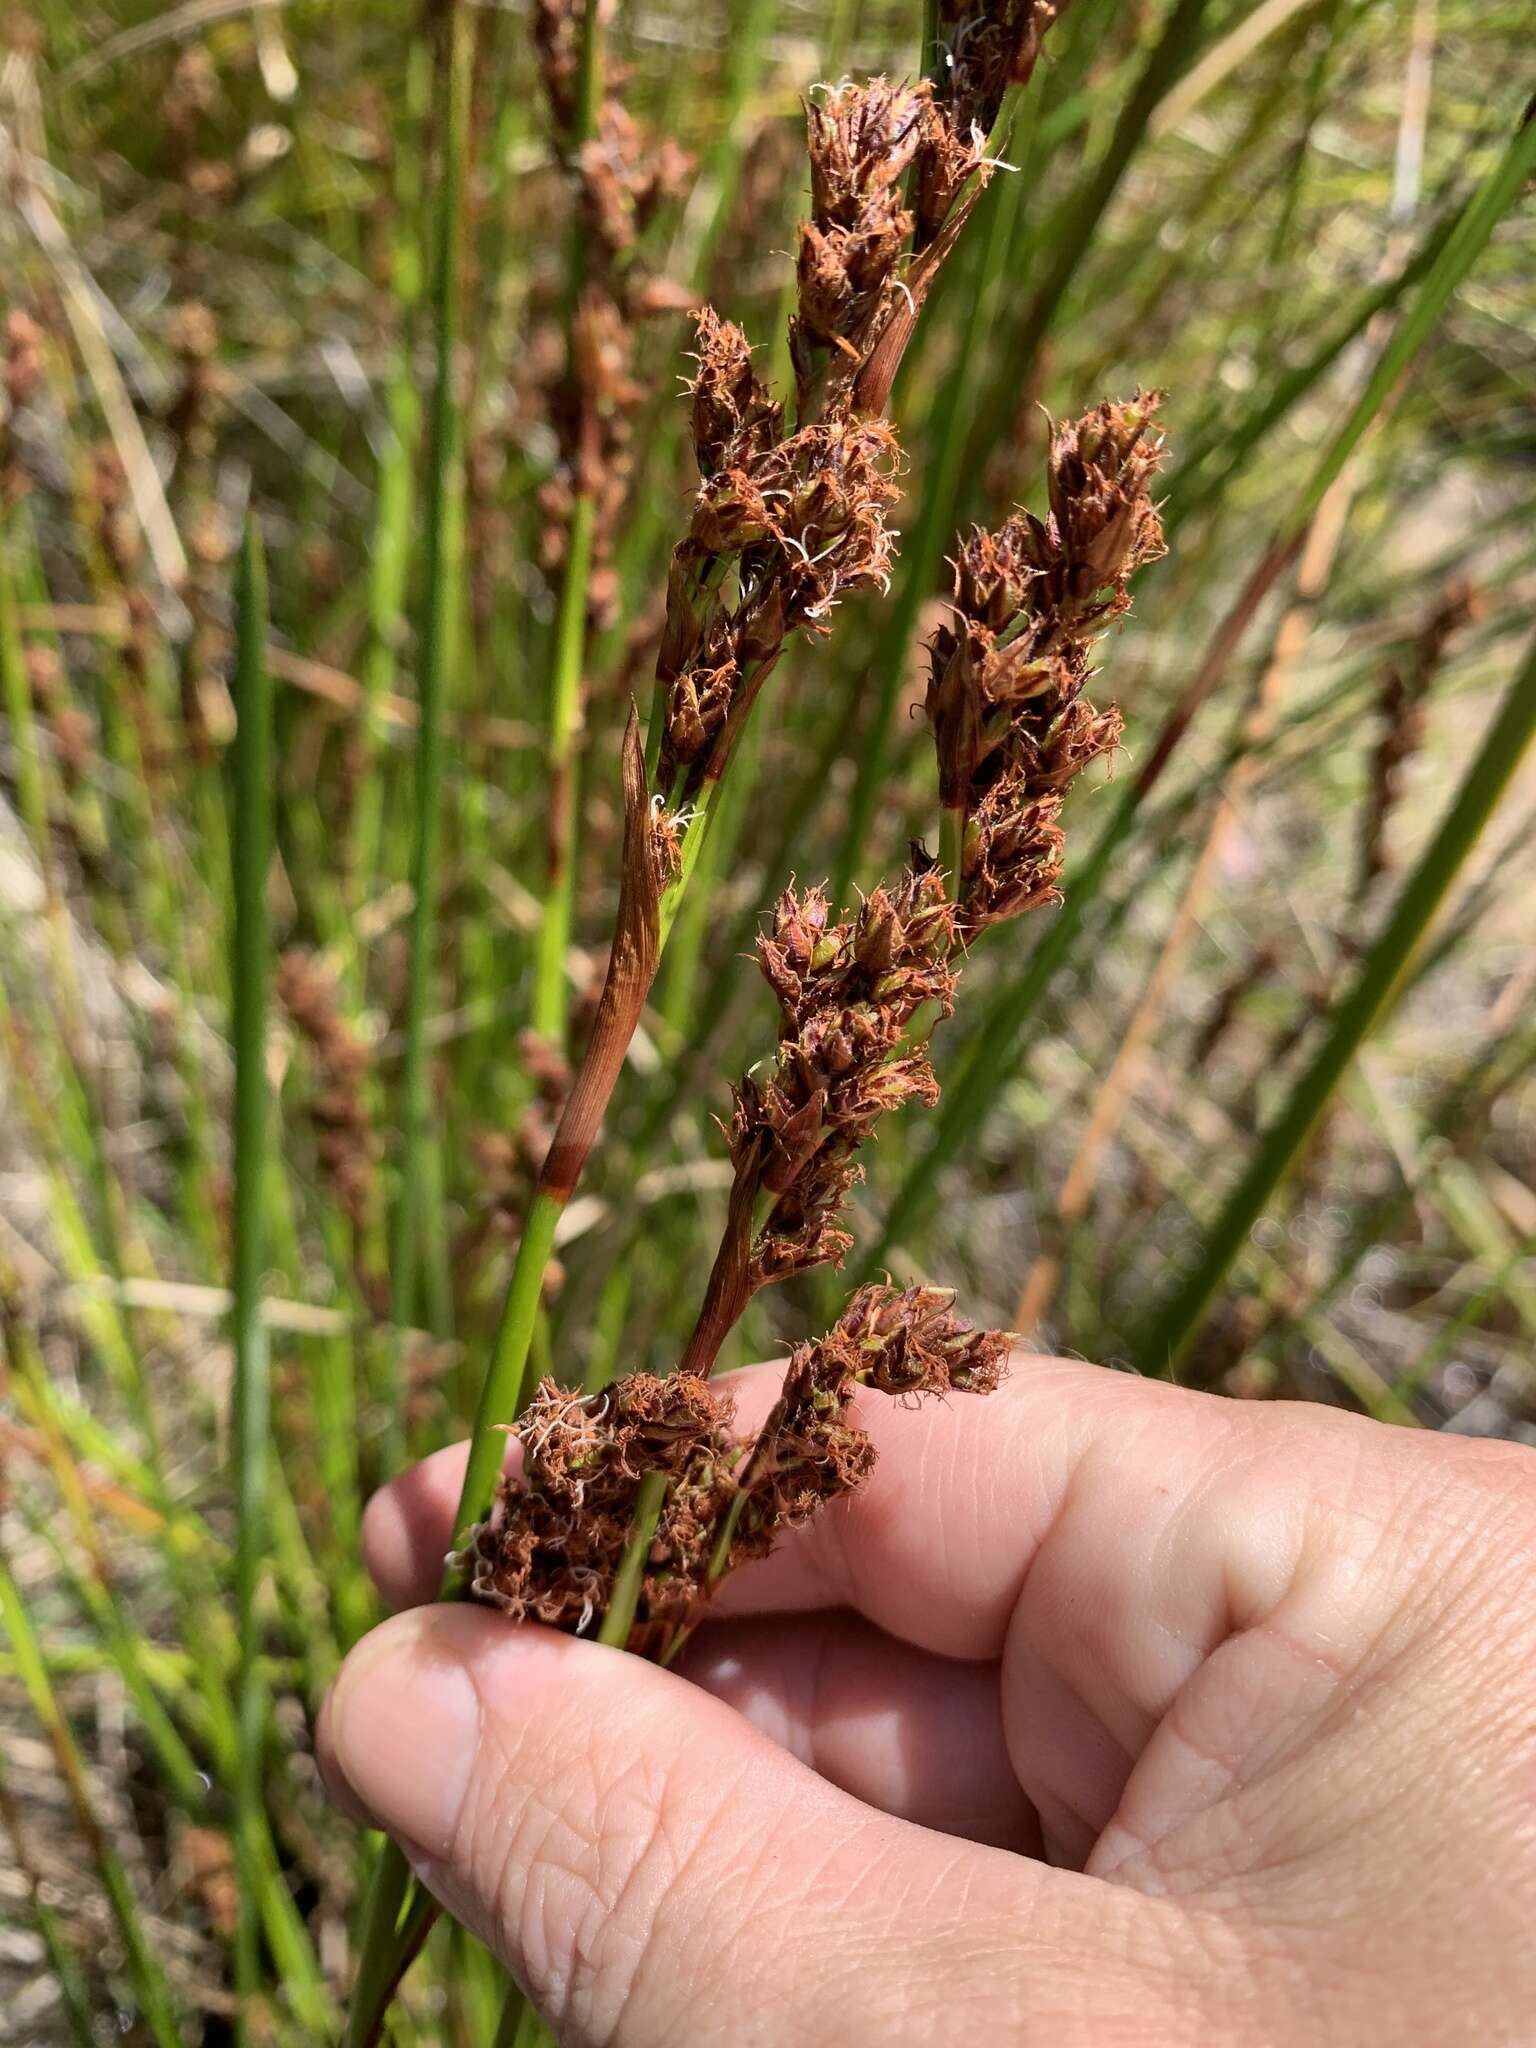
(1110, 1714)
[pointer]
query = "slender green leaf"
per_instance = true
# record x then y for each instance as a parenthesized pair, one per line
(1174, 1329)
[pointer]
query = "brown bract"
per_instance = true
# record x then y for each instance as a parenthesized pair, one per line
(632, 964)
(551, 1548)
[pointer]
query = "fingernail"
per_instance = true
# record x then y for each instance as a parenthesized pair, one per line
(405, 1725)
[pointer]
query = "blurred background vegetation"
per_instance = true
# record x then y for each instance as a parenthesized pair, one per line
(218, 270)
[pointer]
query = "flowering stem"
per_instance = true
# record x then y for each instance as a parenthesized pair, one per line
(620, 1618)
(504, 1392)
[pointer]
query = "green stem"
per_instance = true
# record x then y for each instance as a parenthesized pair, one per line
(551, 1004)
(252, 1389)
(620, 1618)
(389, 550)
(377, 1966)
(1075, 234)
(440, 655)
(503, 1392)
(143, 1970)
(952, 851)
(932, 52)
(1178, 1324)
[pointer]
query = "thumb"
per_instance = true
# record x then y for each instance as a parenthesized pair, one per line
(653, 1869)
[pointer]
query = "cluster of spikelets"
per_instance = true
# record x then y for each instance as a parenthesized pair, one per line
(1011, 726)
(784, 524)
(789, 522)
(858, 996)
(623, 177)
(552, 1544)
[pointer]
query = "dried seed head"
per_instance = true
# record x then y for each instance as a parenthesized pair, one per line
(22, 375)
(991, 45)
(804, 518)
(1106, 526)
(984, 47)
(621, 176)
(907, 1345)
(1011, 727)
(847, 994)
(1402, 708)
(551, 1547)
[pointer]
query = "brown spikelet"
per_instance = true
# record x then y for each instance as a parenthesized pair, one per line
(863, 141)
(986, 46)
(803, 519)
(22, 373)
(621, 176)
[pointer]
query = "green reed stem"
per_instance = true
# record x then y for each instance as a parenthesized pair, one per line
(551, 1003)
(1075, 233)
(418, 1217)
(389, 551)
(378, 1964)
(252, 1421)
(620, 1618)
(551, 1000)
(1175, 1328)
(144, 1972)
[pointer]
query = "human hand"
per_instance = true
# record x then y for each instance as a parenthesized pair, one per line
(1108, 1714)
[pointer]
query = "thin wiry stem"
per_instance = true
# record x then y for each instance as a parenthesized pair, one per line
(551, 1003)
(251, 969)
(378, 1967)
(1174, 1330)
(143, 1970)
(417, 1218)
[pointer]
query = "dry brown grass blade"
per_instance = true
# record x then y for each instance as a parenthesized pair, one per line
(631, 972)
